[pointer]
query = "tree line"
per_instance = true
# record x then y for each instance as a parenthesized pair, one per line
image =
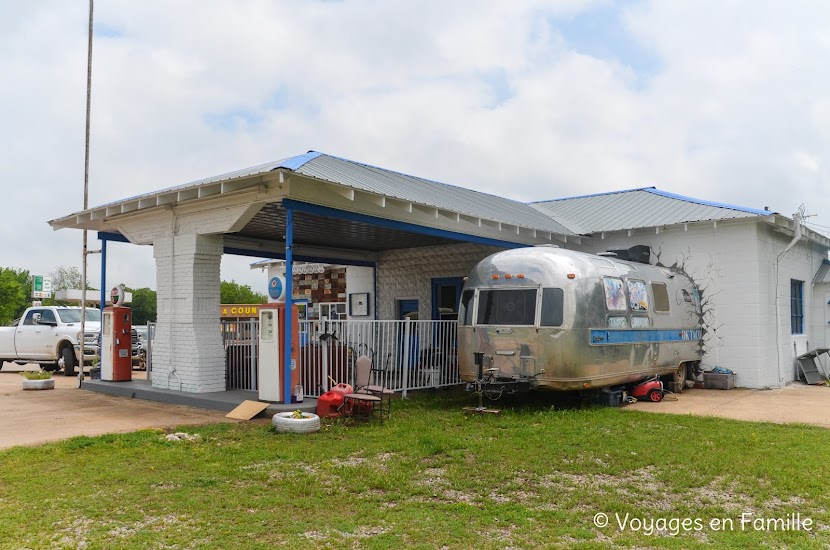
(16, 294)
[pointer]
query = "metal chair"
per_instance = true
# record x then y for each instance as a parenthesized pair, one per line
(370, 379)
(361, 403)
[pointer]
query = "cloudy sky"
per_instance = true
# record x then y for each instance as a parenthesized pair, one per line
(727, 101)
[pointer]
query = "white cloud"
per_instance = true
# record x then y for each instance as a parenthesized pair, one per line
(488, 95)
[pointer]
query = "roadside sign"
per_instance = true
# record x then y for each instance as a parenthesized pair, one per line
(41, 286)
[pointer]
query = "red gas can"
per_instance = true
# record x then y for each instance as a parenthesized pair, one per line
(342, 389)
(328, 403)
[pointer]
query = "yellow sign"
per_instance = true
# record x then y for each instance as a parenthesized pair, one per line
(239, 310)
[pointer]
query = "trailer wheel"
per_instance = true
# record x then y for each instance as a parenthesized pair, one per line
(679, 378)
(68, 356)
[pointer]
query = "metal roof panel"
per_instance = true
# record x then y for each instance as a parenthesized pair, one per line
(636, 208)
(413, 189)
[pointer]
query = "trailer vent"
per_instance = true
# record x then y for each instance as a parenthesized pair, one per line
(640, 253)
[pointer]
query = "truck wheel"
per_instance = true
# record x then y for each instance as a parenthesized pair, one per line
(68, 356)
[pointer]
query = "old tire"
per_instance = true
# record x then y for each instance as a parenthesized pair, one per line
(284, 422)
(68, 356)
(42, 384)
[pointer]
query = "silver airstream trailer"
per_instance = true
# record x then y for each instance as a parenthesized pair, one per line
(556, 319)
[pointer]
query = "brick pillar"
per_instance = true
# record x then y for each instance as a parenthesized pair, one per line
(187, 350)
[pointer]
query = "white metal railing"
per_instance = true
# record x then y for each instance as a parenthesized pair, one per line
(240, 339)
(409, 354)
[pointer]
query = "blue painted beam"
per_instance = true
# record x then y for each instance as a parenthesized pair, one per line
(289, 302)
(103, 273)
(118, 237)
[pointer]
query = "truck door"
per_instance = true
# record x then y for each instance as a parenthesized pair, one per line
(33, 340)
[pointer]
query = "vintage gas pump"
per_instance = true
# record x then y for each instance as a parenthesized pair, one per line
(116, 339)
(271, 346)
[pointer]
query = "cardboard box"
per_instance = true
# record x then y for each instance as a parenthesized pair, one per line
(718, 381)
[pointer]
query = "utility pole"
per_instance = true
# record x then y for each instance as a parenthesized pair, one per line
(86, 200)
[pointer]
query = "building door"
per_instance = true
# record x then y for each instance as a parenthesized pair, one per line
(446, 295)
(407, 307)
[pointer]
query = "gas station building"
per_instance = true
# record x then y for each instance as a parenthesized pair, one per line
(416, 238)
(407, 243)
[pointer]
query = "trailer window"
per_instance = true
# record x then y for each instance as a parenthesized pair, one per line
(617, 321)
(661, 297)
(614, 294)
(552, 306)
(639, 322)
(465, 308)
(637, 296)
(506, 307)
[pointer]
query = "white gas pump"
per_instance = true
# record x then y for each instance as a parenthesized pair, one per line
(270, 358)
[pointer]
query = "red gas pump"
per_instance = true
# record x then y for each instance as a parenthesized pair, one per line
(271, 352)
(116, 339)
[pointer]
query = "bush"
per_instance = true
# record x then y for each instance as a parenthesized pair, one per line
(36, 374)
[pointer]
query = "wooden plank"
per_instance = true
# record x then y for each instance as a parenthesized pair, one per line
(247, 410)
(469, 410)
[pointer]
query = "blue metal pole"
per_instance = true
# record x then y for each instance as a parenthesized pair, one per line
(289, 302)
(103, 274)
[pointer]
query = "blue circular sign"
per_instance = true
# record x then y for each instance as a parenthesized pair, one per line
(275, 288)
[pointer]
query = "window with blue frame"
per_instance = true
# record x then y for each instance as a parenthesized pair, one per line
(797, 306)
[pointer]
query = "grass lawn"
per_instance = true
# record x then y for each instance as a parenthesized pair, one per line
(534, 477)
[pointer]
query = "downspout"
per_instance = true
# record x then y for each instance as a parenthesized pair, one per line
(375, 283)
(795, 239)
(170, 309)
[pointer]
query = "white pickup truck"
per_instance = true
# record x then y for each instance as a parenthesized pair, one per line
(50, 336)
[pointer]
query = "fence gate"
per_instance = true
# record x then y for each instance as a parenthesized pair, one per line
(240, 341)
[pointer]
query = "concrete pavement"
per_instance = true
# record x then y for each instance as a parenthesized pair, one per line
(33, 417)
(793, 403)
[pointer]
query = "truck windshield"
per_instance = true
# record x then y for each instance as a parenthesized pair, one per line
(74, 315)
(507, 307)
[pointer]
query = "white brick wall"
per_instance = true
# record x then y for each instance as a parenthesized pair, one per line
(735, 263)
(408, 273)
(187, 350)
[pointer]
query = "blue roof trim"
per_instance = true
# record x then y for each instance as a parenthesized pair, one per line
(656, 191)
(295, 163)
(281, 256)
(392, 224)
